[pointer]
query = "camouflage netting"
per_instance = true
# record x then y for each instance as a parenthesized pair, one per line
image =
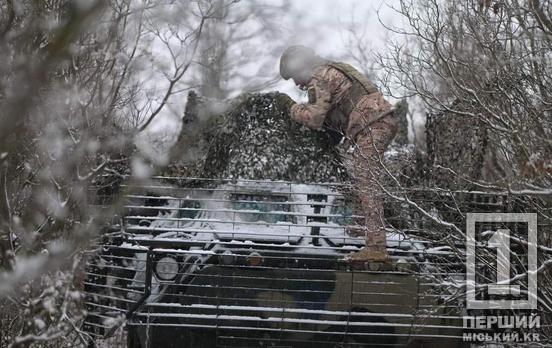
(255, 139)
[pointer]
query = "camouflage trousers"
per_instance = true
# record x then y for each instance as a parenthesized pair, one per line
(363, 160)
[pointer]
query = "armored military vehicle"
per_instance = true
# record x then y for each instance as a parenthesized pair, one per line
(261, 263)
(252, 253)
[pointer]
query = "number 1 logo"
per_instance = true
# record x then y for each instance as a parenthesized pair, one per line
(501, 242)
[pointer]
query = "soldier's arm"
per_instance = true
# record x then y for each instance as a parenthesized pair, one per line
(313, 113)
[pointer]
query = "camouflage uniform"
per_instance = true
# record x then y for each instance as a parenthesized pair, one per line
(348, 108)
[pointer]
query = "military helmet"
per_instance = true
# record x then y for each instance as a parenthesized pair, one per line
(295, 59)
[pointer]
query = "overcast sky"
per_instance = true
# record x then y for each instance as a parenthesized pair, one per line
(320, 24)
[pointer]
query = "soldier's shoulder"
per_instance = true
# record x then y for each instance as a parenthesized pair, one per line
(328, 71)
(343, 67)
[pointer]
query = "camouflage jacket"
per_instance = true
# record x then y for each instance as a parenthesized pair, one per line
(337, 104)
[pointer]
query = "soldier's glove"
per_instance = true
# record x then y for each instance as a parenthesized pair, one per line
(285, 101)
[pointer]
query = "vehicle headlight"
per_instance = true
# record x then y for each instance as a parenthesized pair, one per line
(166, 268)
(255, 259)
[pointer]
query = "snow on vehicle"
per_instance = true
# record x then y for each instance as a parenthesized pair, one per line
(207, 263)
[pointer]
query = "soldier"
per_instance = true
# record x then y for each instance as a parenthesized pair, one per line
(359, 121)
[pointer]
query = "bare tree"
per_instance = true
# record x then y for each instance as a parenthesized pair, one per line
(488, 65)
(483, 71)
(71, 103)
(234, 54)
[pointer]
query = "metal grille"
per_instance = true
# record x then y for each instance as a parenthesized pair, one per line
(257, 263)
